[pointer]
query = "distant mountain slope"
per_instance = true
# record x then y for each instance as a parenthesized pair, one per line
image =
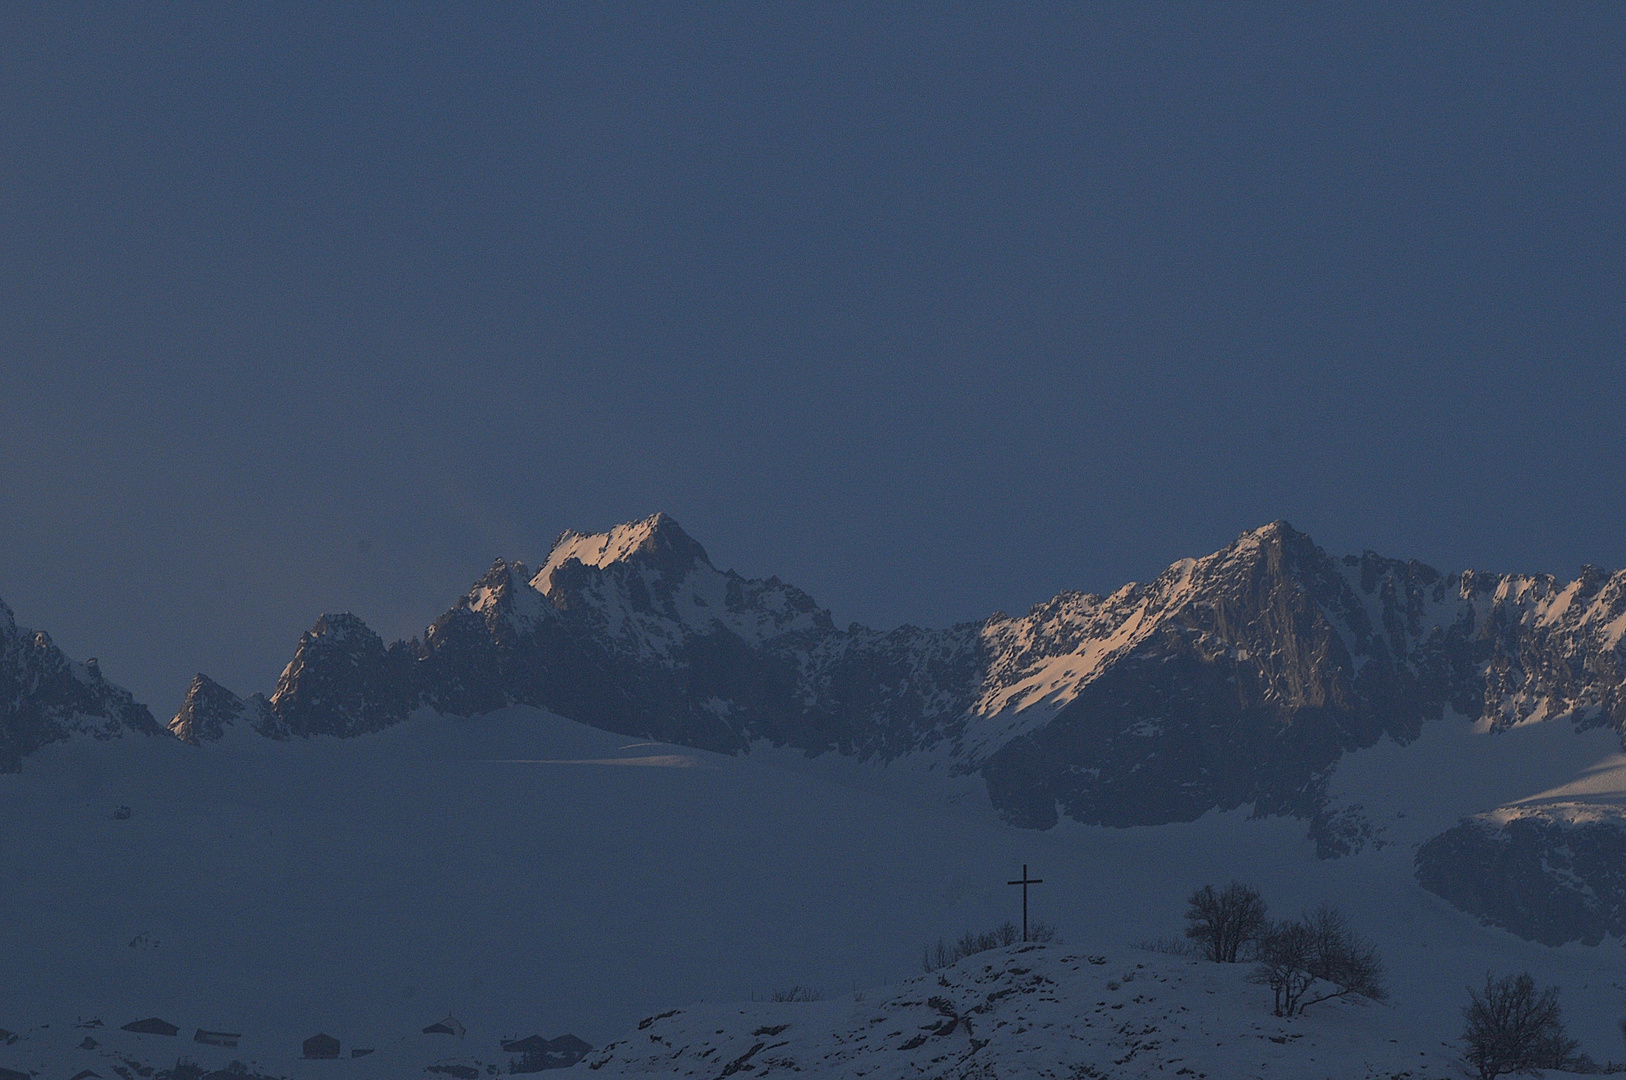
(1550, 867)
(1235, 679)
(1239, 679)
(45, 697)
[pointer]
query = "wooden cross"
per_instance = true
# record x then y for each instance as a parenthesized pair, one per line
(1025, 882)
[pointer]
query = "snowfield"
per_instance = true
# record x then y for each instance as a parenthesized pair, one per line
(531, 875)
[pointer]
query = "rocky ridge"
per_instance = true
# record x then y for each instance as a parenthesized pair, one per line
(1238, 679)
(1553, 875)
(1235, 679)
(45, 697)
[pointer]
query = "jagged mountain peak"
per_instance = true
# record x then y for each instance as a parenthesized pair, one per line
(342, 680)
(210, 711)
(1272, 532)
(203, 688)
(497, 583)
(1276, 543)
(506, 592)
(657, 542)
(46, 697)
(504, 572)
(651, 587)
(341, 626)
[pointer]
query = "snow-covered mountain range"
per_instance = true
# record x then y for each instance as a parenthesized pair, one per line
(1234, 679)
(1239, 679)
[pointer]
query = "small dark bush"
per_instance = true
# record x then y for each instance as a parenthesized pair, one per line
(1511, 1028)
(1172, 945)
(797, 993)
(945, 953)
(1222, 923)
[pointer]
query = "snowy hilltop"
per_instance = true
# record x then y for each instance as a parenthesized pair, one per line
(531, 875)
(1039, 1011)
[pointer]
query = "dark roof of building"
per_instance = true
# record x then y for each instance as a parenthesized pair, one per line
(151, 1026)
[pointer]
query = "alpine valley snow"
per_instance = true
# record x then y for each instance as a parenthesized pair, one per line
(628, 781)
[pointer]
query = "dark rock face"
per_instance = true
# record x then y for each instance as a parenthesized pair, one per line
(210, 710)
(1554, 877)
(1270, 660)
(45, 697)
(1236, 679)
(1247, 693)
(342, 681)
(459, 665)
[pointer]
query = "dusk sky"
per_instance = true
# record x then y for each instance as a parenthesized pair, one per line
(929, 310)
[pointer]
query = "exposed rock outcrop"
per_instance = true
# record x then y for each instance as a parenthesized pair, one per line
(45, 697)
(210, 711)
(1553, 875)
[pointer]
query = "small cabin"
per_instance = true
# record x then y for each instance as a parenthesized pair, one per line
(321, 1047)
(448, 1026)
(151, 1026)
(217, 1038)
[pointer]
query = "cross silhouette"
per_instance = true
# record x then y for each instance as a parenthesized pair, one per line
(1025, 882)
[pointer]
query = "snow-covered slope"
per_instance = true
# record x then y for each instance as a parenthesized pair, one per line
(532, 875)
(1040, 1011)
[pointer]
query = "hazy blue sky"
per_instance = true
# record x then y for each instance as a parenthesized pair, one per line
(930, 310)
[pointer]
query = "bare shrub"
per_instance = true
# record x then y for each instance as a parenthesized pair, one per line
(945, 953)
(1170, 944)
(1222, 923)
(797, 993)
(1041, 932)
(1511, 1028)
(1315, 958)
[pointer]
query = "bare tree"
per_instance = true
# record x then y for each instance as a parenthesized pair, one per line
(1284, 963)
(1316, 958)
(1223, 922)
(1511, 1028)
